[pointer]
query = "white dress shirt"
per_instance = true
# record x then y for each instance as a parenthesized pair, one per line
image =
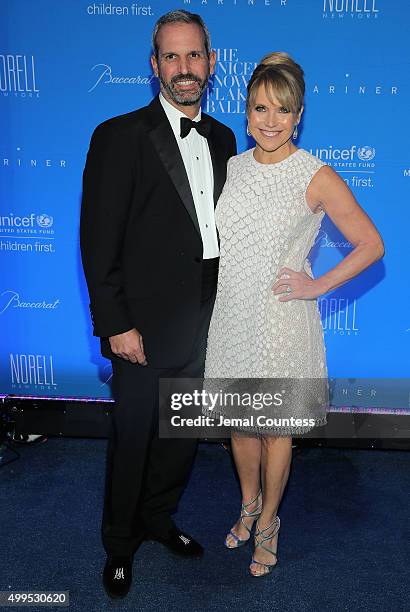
(198, 165)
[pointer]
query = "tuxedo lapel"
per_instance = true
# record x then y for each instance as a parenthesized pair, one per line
(218, 164)
(163, 139)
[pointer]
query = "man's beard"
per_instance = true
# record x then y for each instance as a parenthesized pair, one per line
(184, 99)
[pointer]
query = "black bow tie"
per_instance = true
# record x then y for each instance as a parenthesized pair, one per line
(203, 126)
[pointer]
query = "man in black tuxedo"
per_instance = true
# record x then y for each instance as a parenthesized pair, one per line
(150, 255)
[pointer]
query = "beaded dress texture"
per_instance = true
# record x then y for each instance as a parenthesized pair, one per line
(265, 224)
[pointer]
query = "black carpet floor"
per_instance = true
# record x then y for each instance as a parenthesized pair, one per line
(344, 543)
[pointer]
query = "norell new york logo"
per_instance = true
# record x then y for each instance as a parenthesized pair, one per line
(350, 8)
(18, 76)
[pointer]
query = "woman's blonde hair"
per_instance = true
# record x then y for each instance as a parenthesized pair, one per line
(281, 76)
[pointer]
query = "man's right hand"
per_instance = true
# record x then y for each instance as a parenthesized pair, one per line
(129, 346)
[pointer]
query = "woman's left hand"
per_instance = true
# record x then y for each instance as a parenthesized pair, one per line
(296, 286)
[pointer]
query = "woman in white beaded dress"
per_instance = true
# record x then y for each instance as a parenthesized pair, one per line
(266, 323)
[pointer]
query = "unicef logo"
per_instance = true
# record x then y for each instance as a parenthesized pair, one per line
(366, 153)
(44, 220)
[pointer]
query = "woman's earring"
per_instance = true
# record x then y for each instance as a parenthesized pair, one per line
(247, 130)
(295, 133)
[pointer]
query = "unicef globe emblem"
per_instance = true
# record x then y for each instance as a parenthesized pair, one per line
(366, 153)
(44, 220)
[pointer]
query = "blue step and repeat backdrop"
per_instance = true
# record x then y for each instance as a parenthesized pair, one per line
(67, 65)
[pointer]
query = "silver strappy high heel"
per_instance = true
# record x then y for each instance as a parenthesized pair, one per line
(260, 537)
(246, 514)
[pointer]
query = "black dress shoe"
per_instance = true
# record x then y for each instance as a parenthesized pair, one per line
(179, 543)
(117, 576)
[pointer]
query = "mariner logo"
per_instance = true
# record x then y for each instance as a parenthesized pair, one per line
(202, 4)
(20, 159)
(352, 85)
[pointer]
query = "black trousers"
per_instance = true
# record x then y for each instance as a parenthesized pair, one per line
(145, 474)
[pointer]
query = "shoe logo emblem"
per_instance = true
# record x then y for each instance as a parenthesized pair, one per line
(184, 539)
(119, 573)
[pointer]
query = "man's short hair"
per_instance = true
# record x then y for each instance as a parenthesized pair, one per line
(181, 16)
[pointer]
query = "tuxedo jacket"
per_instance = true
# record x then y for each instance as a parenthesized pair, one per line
(140, 240)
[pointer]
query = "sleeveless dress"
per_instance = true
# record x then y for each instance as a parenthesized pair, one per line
(265, 224)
